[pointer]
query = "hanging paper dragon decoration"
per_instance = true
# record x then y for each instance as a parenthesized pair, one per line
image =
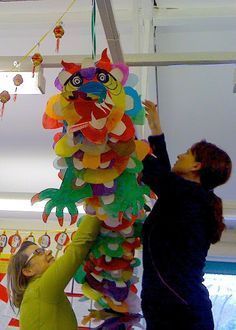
(99, 159)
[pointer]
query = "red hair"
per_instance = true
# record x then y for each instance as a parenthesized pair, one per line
(216, 167)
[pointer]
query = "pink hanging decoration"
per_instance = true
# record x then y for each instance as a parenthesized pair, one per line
(4, 98)
(18, 80)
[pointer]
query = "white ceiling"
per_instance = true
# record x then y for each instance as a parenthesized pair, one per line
(26, 154)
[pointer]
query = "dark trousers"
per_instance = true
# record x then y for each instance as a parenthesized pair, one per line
(173, 317)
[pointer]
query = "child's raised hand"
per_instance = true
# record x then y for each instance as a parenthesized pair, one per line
(152, 116)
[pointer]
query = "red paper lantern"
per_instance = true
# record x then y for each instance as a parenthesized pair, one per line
(4, 98)
(58, 32)
(18, 80)
(37, 59)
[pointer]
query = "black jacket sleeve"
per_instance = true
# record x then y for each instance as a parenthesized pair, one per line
(157, 166)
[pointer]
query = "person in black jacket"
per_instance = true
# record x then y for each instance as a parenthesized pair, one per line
(185, 220)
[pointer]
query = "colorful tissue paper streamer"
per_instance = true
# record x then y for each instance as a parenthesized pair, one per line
(99, 159)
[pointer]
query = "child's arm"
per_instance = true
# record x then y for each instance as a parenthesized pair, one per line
(157, 165)
(58, 275)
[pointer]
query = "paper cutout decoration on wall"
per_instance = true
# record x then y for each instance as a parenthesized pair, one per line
(3, 241)
(44, 241)
(14, 241)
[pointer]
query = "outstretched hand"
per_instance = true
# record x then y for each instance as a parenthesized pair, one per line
(152, 116)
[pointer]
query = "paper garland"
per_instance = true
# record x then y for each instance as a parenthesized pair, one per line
(99, 160)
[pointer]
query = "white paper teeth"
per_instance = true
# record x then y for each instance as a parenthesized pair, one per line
(109, 184)
(119, 129)
(108, 199)
(112, 139)
(112, 222)
(97, 123)
(104, 105)
(60, 163)
(78, 164)
(79, 182)
(115, 273)
(131, 240)
(105, 165)
(109, 100)
(113, 247)
(108, 259)
(98, 105)
(120, 284)
(127, 231)
(131, 163)
(115, 302)
(97, 277)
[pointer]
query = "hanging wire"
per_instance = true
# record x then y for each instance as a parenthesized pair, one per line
(93, 32)
(156, 51)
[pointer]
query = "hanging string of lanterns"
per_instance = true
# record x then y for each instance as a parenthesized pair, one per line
(36, 59)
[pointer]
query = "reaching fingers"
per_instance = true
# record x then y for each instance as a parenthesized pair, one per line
(149, 106)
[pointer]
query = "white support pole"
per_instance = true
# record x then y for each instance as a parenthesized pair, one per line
(110, 29)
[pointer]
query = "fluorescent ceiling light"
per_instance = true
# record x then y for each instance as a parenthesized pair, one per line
(24, 205)
(30, 85)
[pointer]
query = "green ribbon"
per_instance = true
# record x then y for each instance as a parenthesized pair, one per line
(93, 22)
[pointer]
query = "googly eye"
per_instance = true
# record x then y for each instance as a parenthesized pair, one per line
(76, 80)
(103, 77)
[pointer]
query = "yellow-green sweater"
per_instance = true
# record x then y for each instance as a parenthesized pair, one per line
(45, 305)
